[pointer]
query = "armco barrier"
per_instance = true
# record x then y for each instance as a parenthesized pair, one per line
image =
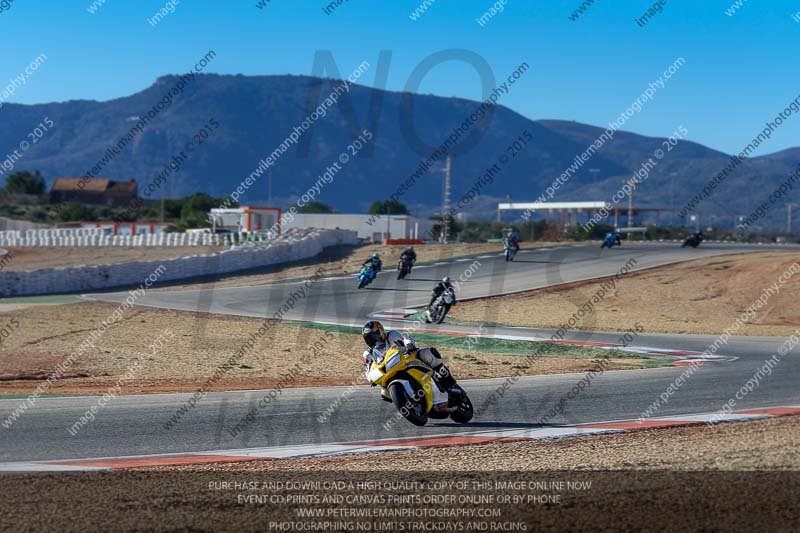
(292, 246)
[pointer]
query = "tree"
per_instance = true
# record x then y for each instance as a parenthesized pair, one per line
(194, 210)
(388, 207)
(315, 207)
(25, 183)
(73, 212)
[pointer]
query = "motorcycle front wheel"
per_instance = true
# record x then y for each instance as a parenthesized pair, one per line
(441, 312)
(413, 411)
(464, 413)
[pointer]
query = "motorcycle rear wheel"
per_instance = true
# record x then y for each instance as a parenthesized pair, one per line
(412, 411)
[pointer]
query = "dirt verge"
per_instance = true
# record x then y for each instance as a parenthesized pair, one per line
(195, 345)
(704, 296)
(731, 477)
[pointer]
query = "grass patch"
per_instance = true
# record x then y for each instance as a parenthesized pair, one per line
(505, 346)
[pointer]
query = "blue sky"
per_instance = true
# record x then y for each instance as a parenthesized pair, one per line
(740, 70)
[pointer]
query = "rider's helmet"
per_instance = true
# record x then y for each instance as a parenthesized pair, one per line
(446, 280)
(510, 235)
(376, 256)
(373, 333)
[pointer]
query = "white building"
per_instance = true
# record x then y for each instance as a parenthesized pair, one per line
(247, 218)
(375, 228)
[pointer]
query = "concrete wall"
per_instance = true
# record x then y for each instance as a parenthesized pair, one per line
(99, 237)
(13, 224)
(292, 246)
(399, 226)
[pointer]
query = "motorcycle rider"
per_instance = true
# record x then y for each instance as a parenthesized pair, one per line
(439, 289)
(375, 262)
(409, 254)
(614, 235)
(379, 342)
(511, 242)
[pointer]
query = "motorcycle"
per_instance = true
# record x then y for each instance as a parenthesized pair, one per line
(366, 276)
(693, 241)
(404, 267)
(413, 390)
(610, 241)
(510, 253)
(436, 312)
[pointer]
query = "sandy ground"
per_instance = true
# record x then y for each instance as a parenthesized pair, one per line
(732, 477)
(704, 296)
(338, 260)
(195, 345)
(769, 444)
(26, 259)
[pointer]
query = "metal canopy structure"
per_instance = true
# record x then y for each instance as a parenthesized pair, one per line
(577, 208)
(552, 206)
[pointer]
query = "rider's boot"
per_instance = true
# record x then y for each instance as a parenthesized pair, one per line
(444, 377)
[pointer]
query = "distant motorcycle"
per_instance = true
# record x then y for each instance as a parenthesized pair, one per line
(510, 253)
(404, 267)
(438, 310)
(693, 240)
(610, 240)
(366, 276)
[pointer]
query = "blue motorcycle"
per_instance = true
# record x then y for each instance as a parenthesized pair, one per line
(366, 276)
(610, 240)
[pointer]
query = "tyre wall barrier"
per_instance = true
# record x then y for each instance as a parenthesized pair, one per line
(292, 246)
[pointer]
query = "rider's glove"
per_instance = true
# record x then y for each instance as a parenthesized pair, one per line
(408, 343)
(366, 358)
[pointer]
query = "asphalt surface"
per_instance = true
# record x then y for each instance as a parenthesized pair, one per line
(338, 300)
(133, 425)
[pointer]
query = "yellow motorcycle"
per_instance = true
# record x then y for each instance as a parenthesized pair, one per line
(413, 390)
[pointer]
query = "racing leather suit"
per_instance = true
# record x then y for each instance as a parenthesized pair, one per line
(410, 254)
(374, 263)
(439, 289)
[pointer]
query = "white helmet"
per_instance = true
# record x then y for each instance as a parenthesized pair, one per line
(446, 279)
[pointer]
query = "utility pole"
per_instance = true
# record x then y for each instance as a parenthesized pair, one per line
(446, 199)
(630, 205)
(789, 207)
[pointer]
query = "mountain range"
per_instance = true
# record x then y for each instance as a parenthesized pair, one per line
(255, 114)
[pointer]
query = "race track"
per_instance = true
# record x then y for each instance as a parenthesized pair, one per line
(133, 425)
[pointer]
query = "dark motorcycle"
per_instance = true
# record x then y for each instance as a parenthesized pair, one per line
(693, 241)
(438, 310)
(510, 253)
(404, 267)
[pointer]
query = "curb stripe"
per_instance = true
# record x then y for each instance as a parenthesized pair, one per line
(410, 443)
